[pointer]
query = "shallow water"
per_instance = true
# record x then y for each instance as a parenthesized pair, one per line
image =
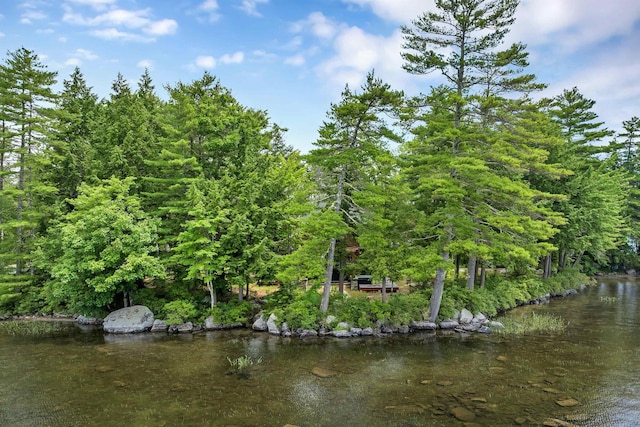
(81, 377)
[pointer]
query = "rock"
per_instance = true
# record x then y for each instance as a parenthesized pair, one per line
(423, 325)
(479, 399)
(403, 330)
(286, 332)
(465, 317)
(502, 358)
(425, 382)
(520, 420)
(485, 330)
(330, 319)
(211, 325)
(567, 403)
(185, 328)
(405, 409)
(343, 325)
(341, 333)
(128, 320)
(554, 422)
(356, 331)
(159, 326)
(456, 316)
(448, 324)
(462, 414)
(367, 332)
(82, 320)
(444, 383)
(496, 325)
(272, 327)
(323, 373)
(551, 390)
(389, 329)
(480, 318)
(306, 333)
(260, 324)
(471, 327)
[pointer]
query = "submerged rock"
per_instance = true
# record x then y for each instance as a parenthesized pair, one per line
(567, 403)
(462, 414)
(82, 320)
(323, 373)
(128, 320)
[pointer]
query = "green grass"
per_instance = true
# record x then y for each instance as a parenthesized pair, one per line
(28, 328)
(532, 324)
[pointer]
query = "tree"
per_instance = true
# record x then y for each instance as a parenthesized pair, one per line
(72, 146)
(100, 251)
(26, 96)
(462, 162)
(594, 192)
(355, 133)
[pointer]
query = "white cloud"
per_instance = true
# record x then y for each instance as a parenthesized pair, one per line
(145, 63)
(236, 58)
(161, 28)
(210, 7)
(73, 62)
(114, 34)
(296, 60)
(96, 4)
(32, 15)
(318, 24)
(85, 54)
(113, 21)
(250, 7)
(400, 11)
(573, 24)
(205, 62)
(1, 34)
(358, 52)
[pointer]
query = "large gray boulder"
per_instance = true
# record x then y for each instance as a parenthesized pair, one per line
(272, 326)
(260, 324)
(129, 320)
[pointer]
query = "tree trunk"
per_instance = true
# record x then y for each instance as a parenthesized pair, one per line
(341, 274)
(471, 272)
(577, 260)
(240, 292)
(384, 289)
(326, 291)
(457, 266)
(438, 289)
(483, 274)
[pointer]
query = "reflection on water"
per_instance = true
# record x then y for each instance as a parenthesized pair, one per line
(84, 378)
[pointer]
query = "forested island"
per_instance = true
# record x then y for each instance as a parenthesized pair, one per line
(477, 193)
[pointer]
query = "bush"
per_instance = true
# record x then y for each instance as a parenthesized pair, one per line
(179, 311)
(231, 312)
(300, 314)
(359, 312)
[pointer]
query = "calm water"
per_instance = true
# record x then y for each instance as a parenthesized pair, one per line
(84, 378)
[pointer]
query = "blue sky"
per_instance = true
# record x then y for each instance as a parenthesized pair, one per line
(293, 57)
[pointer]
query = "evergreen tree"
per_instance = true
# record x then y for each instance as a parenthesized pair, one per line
(355, 133)
(25, 91)
(467, 160)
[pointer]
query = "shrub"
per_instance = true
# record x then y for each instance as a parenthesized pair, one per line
(231, 312)
(179, 311)
(300, 314)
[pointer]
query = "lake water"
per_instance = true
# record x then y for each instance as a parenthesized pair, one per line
(81, 377)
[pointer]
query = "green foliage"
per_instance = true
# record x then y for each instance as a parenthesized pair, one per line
(360, 312)
(179, 311)
(232, 312)
(532, 324)
(99, 249)
(242, 363)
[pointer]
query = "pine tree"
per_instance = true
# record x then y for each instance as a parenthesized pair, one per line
(26, 121)
(467, 159)
(355, 133)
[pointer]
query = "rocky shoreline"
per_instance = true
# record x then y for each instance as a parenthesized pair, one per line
(139, 319)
